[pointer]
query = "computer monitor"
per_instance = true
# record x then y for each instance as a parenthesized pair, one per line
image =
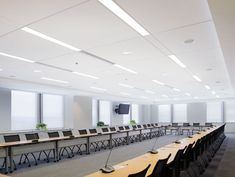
(121, 128)
(127, 127)
(139, 126)
(92, 131)
(82, 132)
(112, 129)
(105, 130)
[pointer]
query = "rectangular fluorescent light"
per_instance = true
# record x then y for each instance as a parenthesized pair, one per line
(207, 87)
(197, 78)
(98, 88)
(158, 82)
(112, 6)
(177, 90)
(213, 92)
(48, 38)
(124, 93)
(177, 61)
(16, 57)
(217, 96)
(165, 96)
(124, 68)
(85, 75)
(54, 80)
(149, 91)
(187, 94)
(125, 85)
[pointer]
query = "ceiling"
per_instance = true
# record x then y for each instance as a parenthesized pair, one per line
(182, 28)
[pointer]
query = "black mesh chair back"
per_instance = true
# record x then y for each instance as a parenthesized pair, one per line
(152, 125)
(145, 126)
(139, 126)
(174, 124)
(134, 126)
(82, 132)
(156, 124)
(67, 133)
(53, 134)
(92, 131)
(141, 173)
(208, 124)
(121, 128)
(196, 124)
(112, 129)
(185, 124)
(160, 167)
(32, 136)
(105, 130)
(11, 138)
(127, 127)
(149, 125)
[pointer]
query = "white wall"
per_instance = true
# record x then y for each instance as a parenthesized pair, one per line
(196, 112)
(5, 110)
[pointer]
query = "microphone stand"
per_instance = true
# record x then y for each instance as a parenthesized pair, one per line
(153, 150)
(108, 168)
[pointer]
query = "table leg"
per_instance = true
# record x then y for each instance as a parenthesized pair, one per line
(88, 145)
(151, 133)
(7, 161)
(10, 159)
(140, 136)
(56, 152)
(110, 141)
(127, 138)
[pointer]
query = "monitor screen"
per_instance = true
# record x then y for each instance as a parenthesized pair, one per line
(82, 132)
(92, 131)
(105, 129)
(123, 108)
(112, 129)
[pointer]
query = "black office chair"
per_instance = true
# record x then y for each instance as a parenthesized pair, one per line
(30, 136)
(141, 173)
(53, 135)
(160, 167)
(8, 139)
(173, 168)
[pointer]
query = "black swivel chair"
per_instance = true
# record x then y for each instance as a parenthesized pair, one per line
(141, 173)
(160, 168)
(8, 139)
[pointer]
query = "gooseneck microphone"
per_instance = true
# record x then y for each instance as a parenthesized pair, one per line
(108, 168)
(153, 150)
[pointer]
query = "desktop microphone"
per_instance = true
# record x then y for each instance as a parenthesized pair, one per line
(108, 168)
(153, 150)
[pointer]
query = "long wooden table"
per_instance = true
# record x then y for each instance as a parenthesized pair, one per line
(139, 163)
(8, 145)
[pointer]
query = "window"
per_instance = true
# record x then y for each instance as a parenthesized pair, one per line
(180, 113)
(94, 112)
(214, 112)
(104, 111)
(135, 112)
(126, 118)
(230, 111)
(53, 110)
(164, 113)
(23, 110)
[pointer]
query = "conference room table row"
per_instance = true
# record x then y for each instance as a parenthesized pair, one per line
(7, 146)
(139, 163)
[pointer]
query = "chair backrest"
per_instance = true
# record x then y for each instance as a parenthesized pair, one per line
(92, 131)
(185, 124)
(145, 126)
(11, 138)
(127, 127)
(149, 125)
(174, 124)
(31, 136)
(178, 156)
(67, 133)
(105, 130)
(82, 132)
(121, 128)
(141, 173)
(159, 169)
(156, 124)
(209, 124)
(139, 126)
(112, 129)
(196, 124)
(153, 125)
(53, 134)
(134, 126)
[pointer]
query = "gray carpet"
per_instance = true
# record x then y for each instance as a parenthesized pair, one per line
(82, 165)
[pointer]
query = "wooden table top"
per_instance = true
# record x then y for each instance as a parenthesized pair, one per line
(1, 175)
(139, 163)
